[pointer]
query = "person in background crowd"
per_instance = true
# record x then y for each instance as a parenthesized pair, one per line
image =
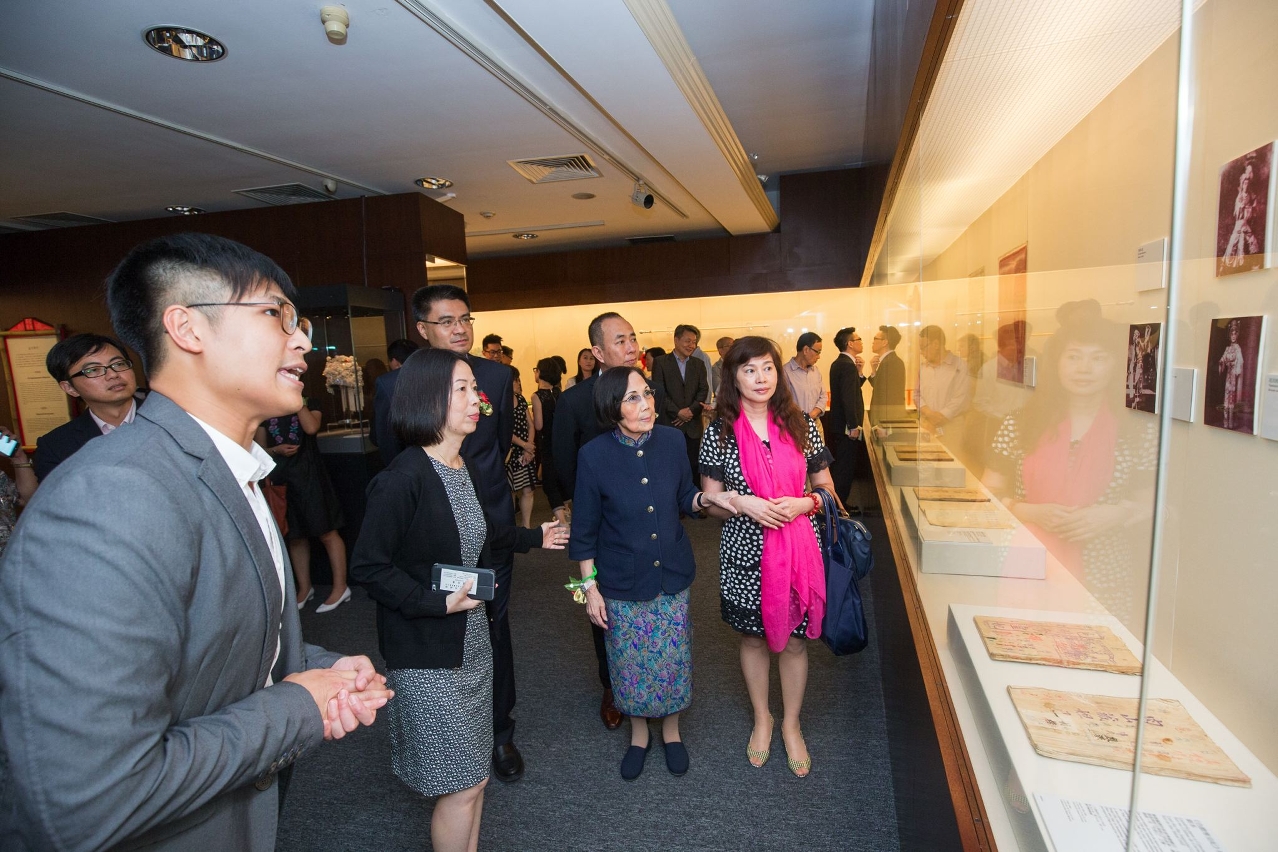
(94, 369)
(373, 369)
(636, 563)
(155, 701)
(650, 357)
(492, 348)
(522, 462)
(422, 510)
(682, 386)
(563, 371)
(772, 579)
(507, 355)
(722, 345)
(888, 381)
(847, 410)
(543, 407)
(613, 342)
(945, 388)
(804, 378)
(444, 320)
(397, 352)
(585, 368)
(312, 507)
(15, 492)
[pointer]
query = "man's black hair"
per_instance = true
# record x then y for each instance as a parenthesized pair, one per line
(65, 353)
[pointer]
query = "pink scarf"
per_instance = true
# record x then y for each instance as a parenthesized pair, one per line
(1048, 477)
(793, 575)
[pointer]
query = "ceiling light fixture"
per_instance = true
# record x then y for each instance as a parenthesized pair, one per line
(335, 20)
(525, 236)
(583, 196)
(181, 43)
(487, 214)
(641, 197)
(183, 210)
(433, 183)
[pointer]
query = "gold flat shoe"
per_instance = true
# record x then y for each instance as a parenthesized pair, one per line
(758, 758)
(800, 768)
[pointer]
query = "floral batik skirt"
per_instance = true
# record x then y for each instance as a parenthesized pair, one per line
(650, 655)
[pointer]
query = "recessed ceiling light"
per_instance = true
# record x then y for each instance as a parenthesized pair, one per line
(433, 183)
(524, 236)
(487, 214)
(183, 210)
(583, 196)
(181, 43)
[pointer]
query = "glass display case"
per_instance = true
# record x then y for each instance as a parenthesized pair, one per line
(352, 326)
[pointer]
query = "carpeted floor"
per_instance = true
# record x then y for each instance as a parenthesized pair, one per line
(344, 796)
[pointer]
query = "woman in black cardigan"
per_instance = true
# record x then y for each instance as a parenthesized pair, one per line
(636, 561)
(423, 510)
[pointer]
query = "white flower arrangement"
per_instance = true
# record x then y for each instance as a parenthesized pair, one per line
(341, 371)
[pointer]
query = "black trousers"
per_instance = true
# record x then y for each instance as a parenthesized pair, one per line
(503, 657)
(694, 454)
(846, 452)
(601, 654)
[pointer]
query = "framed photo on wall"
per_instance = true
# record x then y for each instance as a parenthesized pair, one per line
(1143, 341)
(1233, 373)
(1243, 227)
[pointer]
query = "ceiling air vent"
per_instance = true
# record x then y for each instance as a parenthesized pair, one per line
(60, 220)
(658, 238)
(285, 193)
(550, 169)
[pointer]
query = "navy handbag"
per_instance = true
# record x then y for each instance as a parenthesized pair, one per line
(848, 558)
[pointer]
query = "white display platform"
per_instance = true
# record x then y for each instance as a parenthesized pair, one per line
(902, 473)
(905, 435)
(982, 553)
(1243, 819)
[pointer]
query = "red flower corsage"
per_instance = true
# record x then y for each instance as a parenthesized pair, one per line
(485, 407)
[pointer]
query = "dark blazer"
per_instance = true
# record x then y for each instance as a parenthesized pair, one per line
(575, 425)
(488, 446)
(847, 406)
(678, 392)
(53, 448)
(626, 515)
(136, 649)
(383, 435)
(888, 382)
(408, 527)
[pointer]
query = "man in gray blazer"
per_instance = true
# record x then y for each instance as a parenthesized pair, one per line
(154, 687)
(682, 385)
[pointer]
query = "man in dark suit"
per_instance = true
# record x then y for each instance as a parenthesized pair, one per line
(683, 387)
(443, 319)
(388, 445)
(92, 368)
(154, 703)
(888, 380)
(613, 343)
(847, 410)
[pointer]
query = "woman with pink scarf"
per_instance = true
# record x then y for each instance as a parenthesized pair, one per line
(772, 580)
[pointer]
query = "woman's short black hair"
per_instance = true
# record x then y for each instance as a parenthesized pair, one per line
(610, 390)
(548, 371)
(419, 410)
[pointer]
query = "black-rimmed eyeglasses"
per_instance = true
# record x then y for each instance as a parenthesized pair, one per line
(96, 370)
(290, 320)
(448, 323)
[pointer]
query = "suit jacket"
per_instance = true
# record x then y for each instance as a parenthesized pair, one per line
(489, 444)
(409, 526)
(888, 382)
(627, 515)
(53, 448)
(847, 406)
(575, 425)
(383, 435)
(141, 610)
(678, 392)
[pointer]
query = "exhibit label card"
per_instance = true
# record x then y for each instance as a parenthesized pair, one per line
(1151, 265)
(1269, 410)
(1078, 826)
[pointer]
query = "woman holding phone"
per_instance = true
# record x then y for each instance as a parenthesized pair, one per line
(423, 510)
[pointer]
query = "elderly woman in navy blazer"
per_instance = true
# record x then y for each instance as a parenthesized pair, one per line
(636, 561)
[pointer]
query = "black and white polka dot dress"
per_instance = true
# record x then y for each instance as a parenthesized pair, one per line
(441, 720)
(741, 547)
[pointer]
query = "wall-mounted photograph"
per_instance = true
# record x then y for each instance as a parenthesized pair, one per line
(1142, 366)
(1242, 218)
(1233, 369)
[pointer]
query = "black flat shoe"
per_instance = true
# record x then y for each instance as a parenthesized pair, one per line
(508, 763)
(632, 763)
(677, 758)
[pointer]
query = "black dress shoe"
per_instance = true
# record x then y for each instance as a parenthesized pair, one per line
(508, 763)
(676, 758)
(632, 763)
(609, 713)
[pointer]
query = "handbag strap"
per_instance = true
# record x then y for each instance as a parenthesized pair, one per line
(829, 512)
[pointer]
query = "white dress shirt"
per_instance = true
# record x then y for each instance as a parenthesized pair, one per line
(250, 467)
(805, 385)
(945, 387)
(106, 427)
